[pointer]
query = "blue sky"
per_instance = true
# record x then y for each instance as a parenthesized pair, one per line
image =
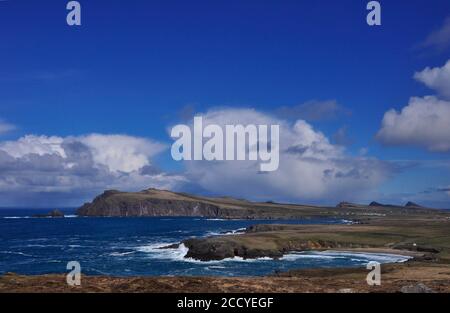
(134, 67)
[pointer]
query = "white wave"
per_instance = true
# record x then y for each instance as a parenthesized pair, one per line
(17, 253)
(233, 259)
(227, 233)
(353, 256)
(155, 251)
(370, 256)
(121, 253)
(301, 255)
(225, 219)
(20, 217)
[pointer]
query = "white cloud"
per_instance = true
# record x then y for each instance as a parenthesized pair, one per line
(120, 152)
(311, 168)
(47, 169)
(31, 144)
(424, 122)
(437, 78)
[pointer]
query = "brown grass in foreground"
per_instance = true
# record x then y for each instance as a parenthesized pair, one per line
(394, 277)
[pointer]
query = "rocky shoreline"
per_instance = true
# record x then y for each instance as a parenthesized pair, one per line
(275, 241)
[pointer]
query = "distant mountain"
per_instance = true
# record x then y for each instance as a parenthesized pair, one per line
(412, 205)
(409, 205)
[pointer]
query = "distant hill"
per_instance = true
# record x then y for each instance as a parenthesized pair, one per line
(154, 202)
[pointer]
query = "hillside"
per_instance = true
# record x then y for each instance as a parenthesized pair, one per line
(154, 202)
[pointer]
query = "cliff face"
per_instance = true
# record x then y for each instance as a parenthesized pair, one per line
(154, 202)
(158, 203)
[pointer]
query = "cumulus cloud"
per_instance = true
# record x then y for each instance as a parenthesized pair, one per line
(311, 168)
(425, 121)
(122, 153)
(64, 170)
(437, 78)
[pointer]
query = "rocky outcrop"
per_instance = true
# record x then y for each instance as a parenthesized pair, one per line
(153, 202)
(54, 213)
(251, 245)
(115, 203)
(208, 249)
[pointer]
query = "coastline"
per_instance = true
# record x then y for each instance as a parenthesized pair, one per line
(347, 280)
(420, 233)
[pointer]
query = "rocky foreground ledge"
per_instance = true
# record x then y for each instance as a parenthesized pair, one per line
(413, 277)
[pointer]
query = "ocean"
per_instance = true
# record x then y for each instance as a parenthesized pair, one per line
(130, 246)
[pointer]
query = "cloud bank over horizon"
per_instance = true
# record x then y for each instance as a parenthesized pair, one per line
(52, 170)
(311, 167)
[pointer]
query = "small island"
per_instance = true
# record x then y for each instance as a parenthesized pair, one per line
(52, 214)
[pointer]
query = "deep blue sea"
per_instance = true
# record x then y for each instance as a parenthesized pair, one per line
(129, 246)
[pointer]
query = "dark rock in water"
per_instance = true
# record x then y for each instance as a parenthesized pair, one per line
(211, 249)
(413, 205)
(419, 288)
(54, 213)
